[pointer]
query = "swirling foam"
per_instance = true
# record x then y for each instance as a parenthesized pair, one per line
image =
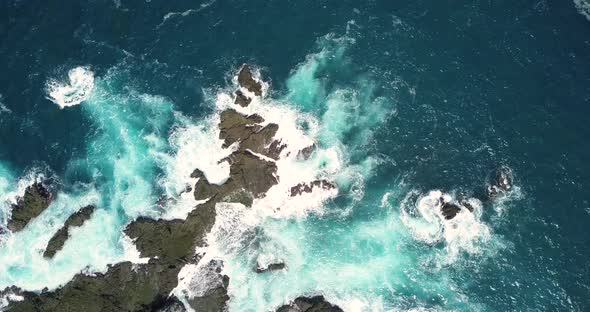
(73, 92)
(583, 7)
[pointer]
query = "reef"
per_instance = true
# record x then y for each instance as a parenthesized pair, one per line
(35, 200)
(310, 304)
(58, 240)
(170, 244)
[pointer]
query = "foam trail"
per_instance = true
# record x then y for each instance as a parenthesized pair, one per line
(73, 92)
(583, 7)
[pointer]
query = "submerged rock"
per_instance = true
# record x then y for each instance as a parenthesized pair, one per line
(58, 240)
(310, 304)
(500, 182)
(246, 80)
(36, 199)
(270, 267)
(308, 187)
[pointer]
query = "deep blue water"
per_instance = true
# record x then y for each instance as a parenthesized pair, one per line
(468, 86)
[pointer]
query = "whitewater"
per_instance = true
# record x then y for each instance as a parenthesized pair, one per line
(365, 246)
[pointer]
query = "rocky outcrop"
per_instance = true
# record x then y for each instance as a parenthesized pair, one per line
(269, 267)
(58, 240)
(449, 210)
(246, 80)
(249, 133)
(309, 187)
(36, 199)
(310, 304)
(171, 244)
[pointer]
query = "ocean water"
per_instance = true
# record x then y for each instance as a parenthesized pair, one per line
(407, 101)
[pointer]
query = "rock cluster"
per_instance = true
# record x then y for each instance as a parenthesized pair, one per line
(170, 244)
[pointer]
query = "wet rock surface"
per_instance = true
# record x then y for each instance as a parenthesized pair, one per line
(246, 80)
(170, 244)
(310, 304)
(58, 240)
(449, 210)
(36, 199)
(309, 187)
(268, 268)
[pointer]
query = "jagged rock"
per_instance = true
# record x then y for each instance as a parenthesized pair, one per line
(310, 304)
(449, 210)
(36, 199)
(172, 304)
(249, 174)
(501, 182)
(242, 99)
(58, 240)
(305, 153)
(235, 127)
(268, 268)
(246, 80)
(308, 187)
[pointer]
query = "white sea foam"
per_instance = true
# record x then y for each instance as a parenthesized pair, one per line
(583, 7)
(463, 233)
(74, 91)
(3, 108)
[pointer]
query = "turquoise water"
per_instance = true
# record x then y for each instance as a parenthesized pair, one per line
(406, 101)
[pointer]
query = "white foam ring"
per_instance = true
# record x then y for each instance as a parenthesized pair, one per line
(73, 92)
(463, 233)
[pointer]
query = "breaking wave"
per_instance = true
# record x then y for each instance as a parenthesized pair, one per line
(583, 7)
(73, 92)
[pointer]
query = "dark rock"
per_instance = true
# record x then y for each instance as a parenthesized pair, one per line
(500, 182)
(449, 210)
(305, 153)
(235, 127)
(249, 176)
(36, 199)
(58, 240)
(310, 304)
(308, 187)
(172, 304)
(242, 99)
(467, 205)
(124, 287)
(246, 80)
(269, 268)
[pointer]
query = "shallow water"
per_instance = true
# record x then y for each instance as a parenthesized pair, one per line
(118, 101)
